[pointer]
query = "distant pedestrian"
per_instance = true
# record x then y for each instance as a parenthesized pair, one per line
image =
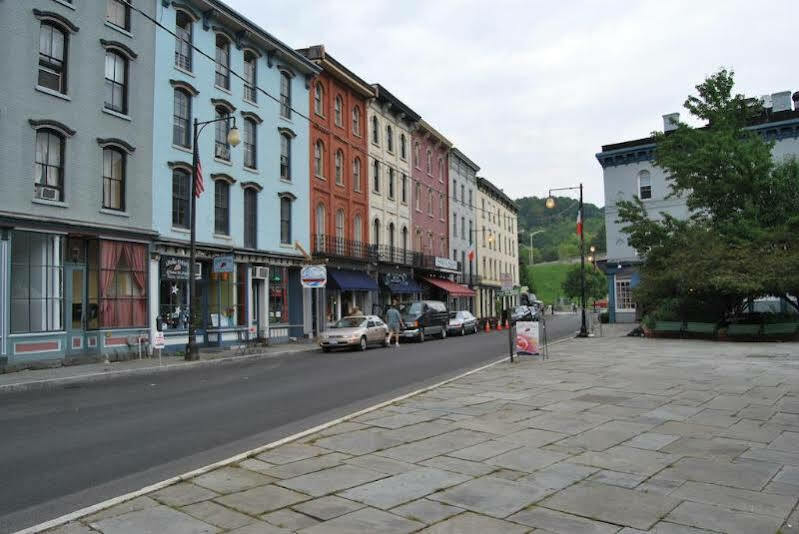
(574, 307)
(394, 322)
(356, 311)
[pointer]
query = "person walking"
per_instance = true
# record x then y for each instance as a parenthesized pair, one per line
(394, 322)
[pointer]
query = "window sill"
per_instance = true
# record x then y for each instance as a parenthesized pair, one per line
(287, 119)
(187, 150)
(117, 114)
(375, 144)
(51, 92)
(251, 170)
(286, 181)
(340, 184)
(223, 161)
(222, 236)
(53, 203)
(184, 71)
(181, 230)
(65, 4)
(123, 31)
(319, 115)
(219, 87)
(37, 334)
(320, 177)
(250, 102)
(116, 213)
(287, 246)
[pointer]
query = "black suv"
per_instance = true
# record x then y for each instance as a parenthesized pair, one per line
(424, 318)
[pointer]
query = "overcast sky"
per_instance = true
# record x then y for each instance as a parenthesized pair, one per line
(530, 90)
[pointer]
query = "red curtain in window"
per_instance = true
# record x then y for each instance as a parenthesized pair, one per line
(137, 260)
(119, 311)
(110, 251)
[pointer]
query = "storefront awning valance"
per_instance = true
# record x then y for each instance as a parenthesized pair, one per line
(350, 280)
(403, 286)
(455, 290)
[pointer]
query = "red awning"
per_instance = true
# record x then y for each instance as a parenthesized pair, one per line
(455, 290)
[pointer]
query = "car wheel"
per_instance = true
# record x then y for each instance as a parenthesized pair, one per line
(443, 332)
(362, 344)
(421, 335)
(325, 349)
(474, 328)
(463, 331)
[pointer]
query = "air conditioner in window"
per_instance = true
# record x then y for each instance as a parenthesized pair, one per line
(261, 273)
(198, 270)
(48, 193)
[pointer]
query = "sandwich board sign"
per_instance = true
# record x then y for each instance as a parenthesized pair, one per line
(527, 337)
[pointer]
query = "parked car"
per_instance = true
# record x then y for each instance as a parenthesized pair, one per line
(424, 318)
(356, 331)
(462, 322)
(524, 313)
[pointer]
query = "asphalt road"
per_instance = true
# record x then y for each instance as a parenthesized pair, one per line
(71, 447)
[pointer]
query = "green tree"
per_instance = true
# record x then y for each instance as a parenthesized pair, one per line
(596, 285)
(740, 241)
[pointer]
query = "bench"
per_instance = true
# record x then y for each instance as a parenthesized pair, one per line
(668, 327)
(743, 330)
(703, 329)
(780, 329)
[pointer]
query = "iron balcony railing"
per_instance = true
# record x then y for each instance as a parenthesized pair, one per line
(338, 247)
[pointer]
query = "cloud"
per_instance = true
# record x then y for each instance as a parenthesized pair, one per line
(530, 90)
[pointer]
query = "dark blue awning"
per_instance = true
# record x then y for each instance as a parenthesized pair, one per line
(350, 280)
(408, 285)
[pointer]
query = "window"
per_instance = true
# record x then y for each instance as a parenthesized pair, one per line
(226, 296)
(221, 207)
(36, 282)
(429, 163)
(250, 76)
(285, 221)
(391, 235)
(181, 189)
(337, 110)
(429, 201)
(376, 232)
(117, 12)
(624, 295)
(318, 99)
(356, 174)
(441, 205)
(222, 62)
(113, 179)
(357, 231)
(455, 190)
(440, 170)
(483, 211)
(321, 219)
(417, 196)
(181, 119)
(339, 165)
(376, 176)
(285, 157)
(183, 40)
(117, 284)
(644, 185)
(52, 58)
(356, 121)
(250, 141)
(375, 131)
(463, 196)
(221, 146)
(416, 158)
(404, 191)
(404, 238)
(403, 147)
(470, 232)
(390, 183)
(278, 295)
(318, 162)
(470, 198)
(454, 225)
(389, 138)
(463, 227)
(48, 175)
(250, 218)
(340, 224)
(285, 95)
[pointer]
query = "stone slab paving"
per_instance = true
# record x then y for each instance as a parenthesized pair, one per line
(610, 435)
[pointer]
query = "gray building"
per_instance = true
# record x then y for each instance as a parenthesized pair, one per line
(76, 123)
(463, 193)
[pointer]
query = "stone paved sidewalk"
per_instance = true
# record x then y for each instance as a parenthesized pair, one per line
(611, 435)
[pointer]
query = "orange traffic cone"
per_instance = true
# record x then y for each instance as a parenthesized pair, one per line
(507, 324)
(488, 327)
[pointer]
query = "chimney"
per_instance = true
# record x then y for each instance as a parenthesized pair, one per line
(796, 101)
(781, 101)
(670, 121)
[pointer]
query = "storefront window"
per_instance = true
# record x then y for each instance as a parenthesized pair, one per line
(173, 293)
(117, 284)
(224, 307)
(278, 295)
(36, 282)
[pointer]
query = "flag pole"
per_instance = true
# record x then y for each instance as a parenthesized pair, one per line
(583, 329)
(191, 349)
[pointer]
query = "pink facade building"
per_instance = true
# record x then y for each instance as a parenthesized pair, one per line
(430, 191)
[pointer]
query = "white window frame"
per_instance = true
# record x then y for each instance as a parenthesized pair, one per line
(621, 282)
(651, 191)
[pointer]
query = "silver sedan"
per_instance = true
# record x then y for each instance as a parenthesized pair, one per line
(356, 331)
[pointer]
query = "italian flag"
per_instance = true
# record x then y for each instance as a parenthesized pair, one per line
(470, 253)
(579, 223)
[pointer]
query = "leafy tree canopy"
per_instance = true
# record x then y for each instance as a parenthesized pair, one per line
(596, 284)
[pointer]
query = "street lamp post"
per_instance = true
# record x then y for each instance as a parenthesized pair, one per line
(550, 203)
(233, 139)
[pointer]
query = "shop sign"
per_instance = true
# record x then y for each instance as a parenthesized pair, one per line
(446, 263)
(174, 268)
(527, 337)
(223, 264)
(159, 342)
(396, 279)
(313, 276)
(507, 281)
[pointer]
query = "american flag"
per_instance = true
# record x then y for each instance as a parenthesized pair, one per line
(198, 180)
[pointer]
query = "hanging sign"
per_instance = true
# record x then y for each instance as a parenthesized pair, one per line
(527, 337)
(446, 263)
(223, 264)
(313, 276)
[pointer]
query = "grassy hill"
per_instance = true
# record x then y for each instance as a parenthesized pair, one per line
(547, 279)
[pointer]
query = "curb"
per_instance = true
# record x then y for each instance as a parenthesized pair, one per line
(48, 383)
(252, 452)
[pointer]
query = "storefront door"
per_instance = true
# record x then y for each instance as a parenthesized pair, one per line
(76, 308)
(255, 305)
